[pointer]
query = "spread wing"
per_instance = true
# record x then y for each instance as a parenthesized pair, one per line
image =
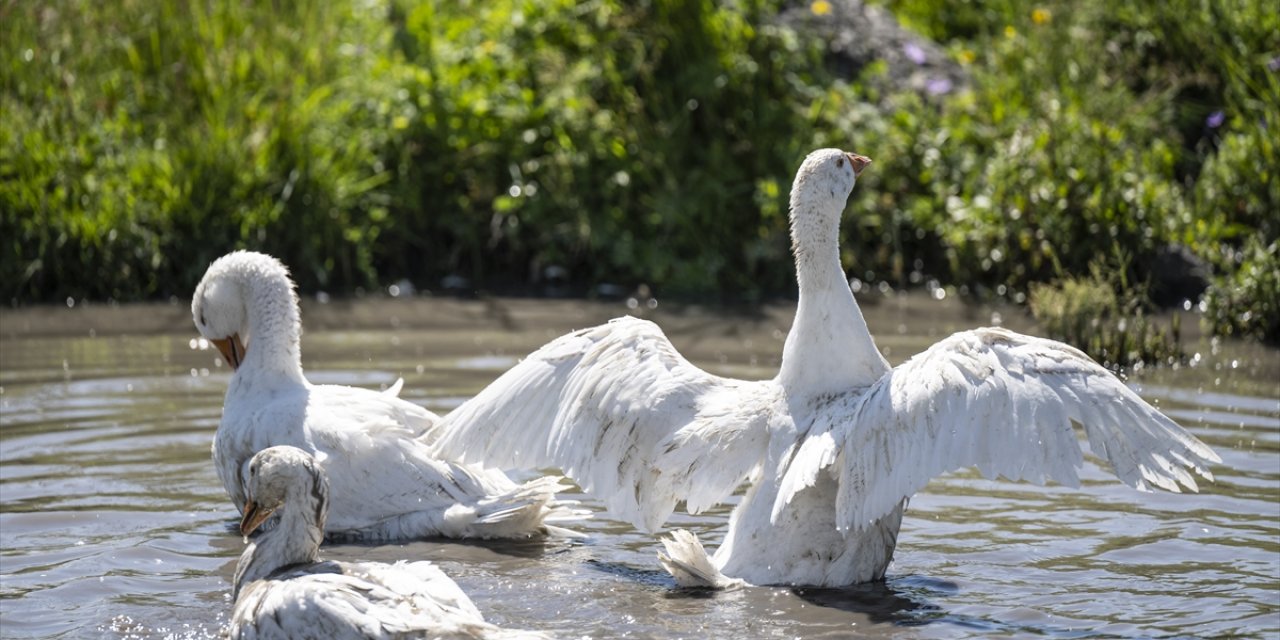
(620, 411)
(994, 399)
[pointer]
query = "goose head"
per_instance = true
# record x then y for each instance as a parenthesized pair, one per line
(825, 179)
(821, 189)
(218, 311)
(288, 481)
(241, 293)
(280, 476)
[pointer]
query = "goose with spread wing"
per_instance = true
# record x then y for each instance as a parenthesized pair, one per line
(283, 590)
(834, 445)
(375, 447)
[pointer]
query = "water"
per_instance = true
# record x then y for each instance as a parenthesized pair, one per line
(113, 523)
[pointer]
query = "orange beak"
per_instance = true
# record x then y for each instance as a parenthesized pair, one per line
(859, 163)
(253, 517)
(232, 350)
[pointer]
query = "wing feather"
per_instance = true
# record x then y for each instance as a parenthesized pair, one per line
(622, 413)
(994, 399)
(358, 600)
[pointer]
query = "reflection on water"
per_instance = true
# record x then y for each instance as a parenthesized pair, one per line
(114, 524)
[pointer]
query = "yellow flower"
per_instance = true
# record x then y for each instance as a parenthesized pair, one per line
(820, 7)
(1010, 32)
(966, 56)
(1041, 16)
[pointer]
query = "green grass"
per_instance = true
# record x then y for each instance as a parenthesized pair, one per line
(1117, 331)
(363, 142)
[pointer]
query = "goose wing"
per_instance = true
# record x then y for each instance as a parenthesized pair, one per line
(994, 399)
(343, 403)
(360, 600)
(621, 412)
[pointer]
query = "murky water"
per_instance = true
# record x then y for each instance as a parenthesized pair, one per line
(113, 523)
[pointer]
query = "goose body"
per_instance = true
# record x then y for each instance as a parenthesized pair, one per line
(833, 446)
(374, 447)
(282, 589)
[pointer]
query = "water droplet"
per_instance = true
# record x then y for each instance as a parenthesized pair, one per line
(71, 302)
(632, 303)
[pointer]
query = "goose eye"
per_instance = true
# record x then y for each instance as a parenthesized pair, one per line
(840, 162)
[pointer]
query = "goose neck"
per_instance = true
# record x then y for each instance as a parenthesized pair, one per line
(829, 348)
(275, 329)
(294, 540)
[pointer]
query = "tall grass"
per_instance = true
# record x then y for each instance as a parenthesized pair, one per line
(364, 142)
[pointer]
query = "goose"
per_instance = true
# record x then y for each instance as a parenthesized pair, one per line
(387, 484)
(283, 590)
(833, 446)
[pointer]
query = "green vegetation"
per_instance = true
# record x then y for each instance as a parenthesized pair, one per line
(364, 142)
(1089, 313)
(1246, 303)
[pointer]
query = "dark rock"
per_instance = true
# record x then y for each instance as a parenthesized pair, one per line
(1177, 274)
(457, 285)
(859, 34)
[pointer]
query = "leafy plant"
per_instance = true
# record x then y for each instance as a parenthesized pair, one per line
(621, 142)
(1087, 312)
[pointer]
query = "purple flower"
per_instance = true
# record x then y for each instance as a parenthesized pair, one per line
(938, 86)
(1274, 64)
(913, 52)
(1215, 119)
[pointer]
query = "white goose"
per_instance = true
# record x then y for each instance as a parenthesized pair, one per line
(282, 590)
(834, 445)
(387, 484)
